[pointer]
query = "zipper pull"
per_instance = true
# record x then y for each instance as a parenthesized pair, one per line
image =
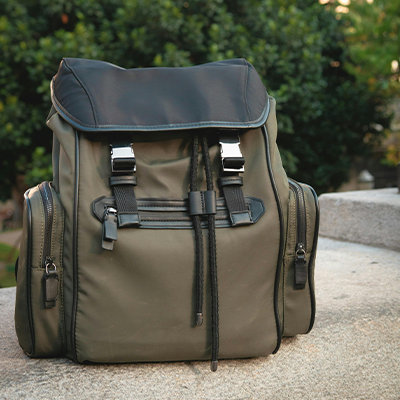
(300, 267)
(110, 225)
(50, 283)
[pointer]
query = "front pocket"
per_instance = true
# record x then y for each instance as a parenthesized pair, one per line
(166, 214)
(299, 260)
(39, 318)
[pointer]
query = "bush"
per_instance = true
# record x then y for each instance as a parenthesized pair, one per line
(324, 115)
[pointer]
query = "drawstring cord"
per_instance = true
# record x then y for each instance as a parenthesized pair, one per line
(198, 235)
(199, 250)
(213, 263)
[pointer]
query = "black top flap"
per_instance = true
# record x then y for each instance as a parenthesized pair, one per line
(99, 96)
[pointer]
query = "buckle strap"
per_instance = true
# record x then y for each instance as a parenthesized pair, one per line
(122, 158)
(123, 180)
(234, 199)
(231, 156)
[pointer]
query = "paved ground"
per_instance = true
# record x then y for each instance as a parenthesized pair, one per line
(353, 351)
(11, 238)
(363, 216)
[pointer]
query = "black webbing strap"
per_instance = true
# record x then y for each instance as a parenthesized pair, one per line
(231, 187)
(123, 181)
(231, 183)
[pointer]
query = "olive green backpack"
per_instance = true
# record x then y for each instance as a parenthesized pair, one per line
(170, 230)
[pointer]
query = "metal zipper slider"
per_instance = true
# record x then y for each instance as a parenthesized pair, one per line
(50, 283)
(300, 267)
(110, 227)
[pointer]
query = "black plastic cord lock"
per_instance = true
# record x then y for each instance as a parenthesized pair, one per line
(203, 203)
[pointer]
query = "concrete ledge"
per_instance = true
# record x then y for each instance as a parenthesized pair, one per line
(352, 353)
(370, 217)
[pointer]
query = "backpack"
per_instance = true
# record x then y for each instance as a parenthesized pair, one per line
(170, 230)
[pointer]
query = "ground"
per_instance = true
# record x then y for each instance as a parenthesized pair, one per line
(353, 351)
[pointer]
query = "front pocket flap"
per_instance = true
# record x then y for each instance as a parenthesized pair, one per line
(174, 213)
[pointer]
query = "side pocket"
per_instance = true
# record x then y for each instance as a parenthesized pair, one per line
(39, 313)
(299, 260)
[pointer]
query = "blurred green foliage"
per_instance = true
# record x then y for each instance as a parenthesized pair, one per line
(372, 32)
(372, 37)
(8, 256)
(326, 117)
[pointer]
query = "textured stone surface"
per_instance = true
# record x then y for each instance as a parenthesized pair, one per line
(371, 217)
(12, 238)
(353, 351)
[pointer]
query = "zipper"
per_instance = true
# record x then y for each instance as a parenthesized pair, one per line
(110, 227)
(47, 198)
(50, 274)
(300, 270)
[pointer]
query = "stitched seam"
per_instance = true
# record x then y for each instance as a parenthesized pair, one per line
(77, 184)
(308, 221)
(54, 226)
(85, 89)
(245, 91)
(63, 328)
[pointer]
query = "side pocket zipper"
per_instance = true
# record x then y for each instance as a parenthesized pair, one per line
(50, 275)
(300, 264)
(110, 226)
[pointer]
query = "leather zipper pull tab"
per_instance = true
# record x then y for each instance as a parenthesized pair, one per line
(300, 268)
(50, 284)
(110, 227)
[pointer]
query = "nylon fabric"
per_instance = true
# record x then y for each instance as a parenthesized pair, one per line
(165, 169)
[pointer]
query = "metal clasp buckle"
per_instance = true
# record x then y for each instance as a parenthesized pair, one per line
(230, 149)
(123, 152)
(49, 263)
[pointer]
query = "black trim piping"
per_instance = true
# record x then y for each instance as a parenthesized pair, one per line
(281, 241)
(312, 259)
(75, 250)
(28, 272)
